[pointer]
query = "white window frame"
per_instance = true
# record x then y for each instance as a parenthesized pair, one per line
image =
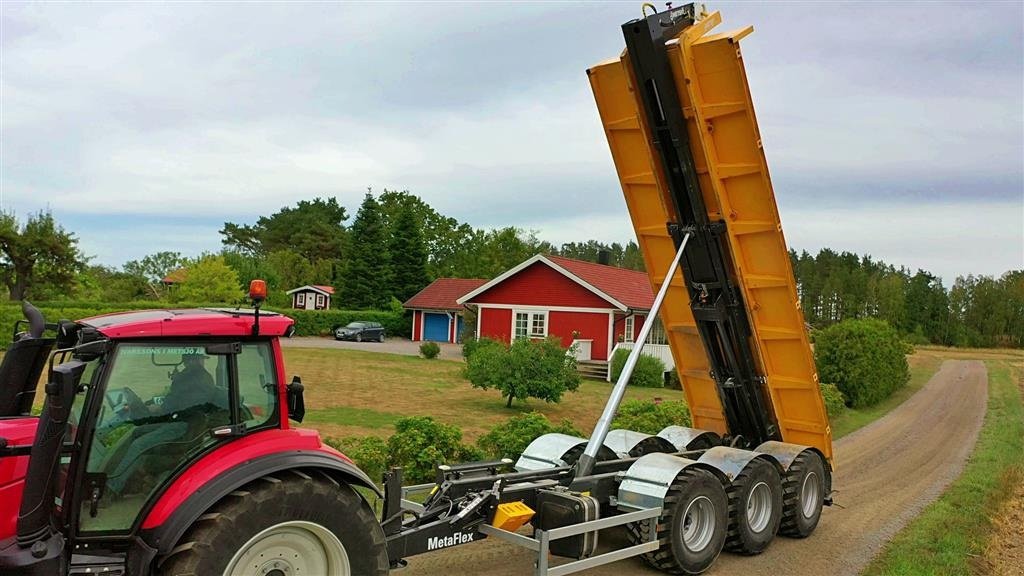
(320, 301)
(658, 332)
(300, 299)
(628, 330)
(530, 316)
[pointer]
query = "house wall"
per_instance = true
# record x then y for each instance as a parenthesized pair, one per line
(417, 322)
(540, 285)
(495, 323)
(590, 325)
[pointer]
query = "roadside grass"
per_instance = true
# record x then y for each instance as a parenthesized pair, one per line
(357, 393)
(922, 368)
(951, 534)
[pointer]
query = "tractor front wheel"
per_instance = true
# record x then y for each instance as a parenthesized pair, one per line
(292, 523)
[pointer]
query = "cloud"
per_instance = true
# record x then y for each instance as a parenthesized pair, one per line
(121, 117)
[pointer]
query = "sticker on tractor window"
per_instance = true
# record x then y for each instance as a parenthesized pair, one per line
(148, 350)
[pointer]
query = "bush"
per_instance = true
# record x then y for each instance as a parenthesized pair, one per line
(648, 373)
(510, 439)
(323, 322)
(835, 402)
(864, 358)
(674, 382)
(528, 368)
(370, 453)
(430, 350)
(651, 417)
(419, 444)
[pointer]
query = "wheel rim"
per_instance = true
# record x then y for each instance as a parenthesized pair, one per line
(294, 548)
(759, 507)
(809, 495)
(698, 524)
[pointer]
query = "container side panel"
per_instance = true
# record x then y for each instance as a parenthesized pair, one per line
(645, 199)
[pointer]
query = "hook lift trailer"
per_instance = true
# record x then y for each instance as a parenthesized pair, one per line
(105, 482)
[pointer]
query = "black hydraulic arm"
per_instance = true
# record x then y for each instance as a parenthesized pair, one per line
(715, 300)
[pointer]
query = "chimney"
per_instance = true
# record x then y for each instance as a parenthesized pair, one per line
(604, 257)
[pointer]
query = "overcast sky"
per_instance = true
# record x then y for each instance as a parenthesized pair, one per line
(894, 130)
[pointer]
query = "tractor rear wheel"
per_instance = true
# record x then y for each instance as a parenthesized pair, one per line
(803, 494)
(692, 526)
(755, 508)
(292, 523)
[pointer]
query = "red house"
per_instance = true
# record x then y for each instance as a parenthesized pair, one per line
(436, 315)
(591, 305)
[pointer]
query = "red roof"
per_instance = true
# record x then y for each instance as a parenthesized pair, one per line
(442, 294)
(630, 287)
(328, 289)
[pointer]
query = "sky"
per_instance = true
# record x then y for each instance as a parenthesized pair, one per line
(891, 129)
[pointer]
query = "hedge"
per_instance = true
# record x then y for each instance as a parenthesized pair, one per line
(307, 322)
(648, 373)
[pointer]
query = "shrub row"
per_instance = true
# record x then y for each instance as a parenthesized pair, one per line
(420, 443)
(307, 322)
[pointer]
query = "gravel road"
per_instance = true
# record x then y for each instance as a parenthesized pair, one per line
(886, 473)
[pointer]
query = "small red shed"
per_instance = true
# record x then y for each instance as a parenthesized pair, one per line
(436, 314)
(591, 305)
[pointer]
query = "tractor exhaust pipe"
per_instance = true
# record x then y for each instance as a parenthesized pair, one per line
(586, 462)
(36, 323)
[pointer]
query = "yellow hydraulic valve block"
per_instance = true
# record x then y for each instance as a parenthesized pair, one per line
(511, 516)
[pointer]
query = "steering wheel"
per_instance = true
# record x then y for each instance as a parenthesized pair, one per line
(128, 398)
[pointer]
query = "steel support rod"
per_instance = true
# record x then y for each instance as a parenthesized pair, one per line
(589, 457)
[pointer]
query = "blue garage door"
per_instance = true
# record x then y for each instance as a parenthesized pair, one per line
(435, 327)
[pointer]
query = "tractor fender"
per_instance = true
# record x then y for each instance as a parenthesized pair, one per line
(163, 537)
(732, 461)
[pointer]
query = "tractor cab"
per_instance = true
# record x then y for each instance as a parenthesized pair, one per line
(133, 402)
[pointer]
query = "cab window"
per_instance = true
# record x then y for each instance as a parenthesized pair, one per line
(160, 404)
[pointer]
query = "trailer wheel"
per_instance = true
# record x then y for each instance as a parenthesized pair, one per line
(692, 527)
(755, 508)
(290, 524)
(803, 493)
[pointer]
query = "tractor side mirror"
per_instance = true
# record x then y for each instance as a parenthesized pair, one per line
(296, 405)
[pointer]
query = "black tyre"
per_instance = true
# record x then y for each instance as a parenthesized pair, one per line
(293, 523)
(803, 493)
(692, 527)
(382, 337)
(359, 337)
(755, 508)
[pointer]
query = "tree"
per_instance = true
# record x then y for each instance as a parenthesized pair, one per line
(526, 369)
(155, 267)
(210, 279)
(368, 267)
(39, 255)
(408, 256)
(315, 229)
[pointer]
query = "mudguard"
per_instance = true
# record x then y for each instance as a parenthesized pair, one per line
(732, 461)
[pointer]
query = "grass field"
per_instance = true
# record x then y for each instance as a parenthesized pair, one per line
(354, 393)
(951, 535)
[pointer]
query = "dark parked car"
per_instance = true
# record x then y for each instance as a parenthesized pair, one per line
(360, 332)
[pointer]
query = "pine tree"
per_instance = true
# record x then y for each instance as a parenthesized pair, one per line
(408, 255)
(368, 268)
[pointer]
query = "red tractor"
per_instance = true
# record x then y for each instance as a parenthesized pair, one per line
(164, 445)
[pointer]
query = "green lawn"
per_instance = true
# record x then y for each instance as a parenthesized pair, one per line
(954, 530)
(356, 393)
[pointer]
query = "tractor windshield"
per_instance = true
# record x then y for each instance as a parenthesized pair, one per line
(160, 404)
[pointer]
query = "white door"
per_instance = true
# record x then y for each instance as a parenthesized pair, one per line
(310, 301)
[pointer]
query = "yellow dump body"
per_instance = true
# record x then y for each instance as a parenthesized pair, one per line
(733, 174)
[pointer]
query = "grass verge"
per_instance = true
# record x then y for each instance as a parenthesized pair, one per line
(952, 533)
(922, 368)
